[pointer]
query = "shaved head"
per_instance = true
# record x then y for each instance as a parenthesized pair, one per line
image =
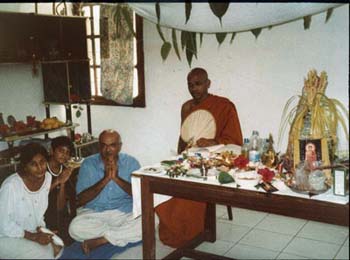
(199, 72)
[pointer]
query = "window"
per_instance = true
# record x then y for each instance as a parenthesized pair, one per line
(92, 11)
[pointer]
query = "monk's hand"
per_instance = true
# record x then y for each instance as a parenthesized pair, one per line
(64, 176)
(204, 142)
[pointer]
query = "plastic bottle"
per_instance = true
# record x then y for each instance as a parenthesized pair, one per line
(254, 147)
(245, 148)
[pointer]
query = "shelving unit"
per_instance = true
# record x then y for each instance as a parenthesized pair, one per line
(77, 147)
(17, 137)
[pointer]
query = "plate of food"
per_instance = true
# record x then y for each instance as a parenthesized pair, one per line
(152, 170)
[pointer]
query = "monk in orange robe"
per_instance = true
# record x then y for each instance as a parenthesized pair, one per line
(181, 220)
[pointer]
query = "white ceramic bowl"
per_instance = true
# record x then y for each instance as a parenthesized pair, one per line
(247, 179)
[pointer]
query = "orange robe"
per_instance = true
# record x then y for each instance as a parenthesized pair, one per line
(181, 220)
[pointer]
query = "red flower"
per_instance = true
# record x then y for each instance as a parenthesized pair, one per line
(266, 174)
(240, 162)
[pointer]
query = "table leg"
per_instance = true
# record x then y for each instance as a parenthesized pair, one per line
(148, 237)
(210, 223)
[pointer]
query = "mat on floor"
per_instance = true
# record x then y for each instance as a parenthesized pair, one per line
(74, 251)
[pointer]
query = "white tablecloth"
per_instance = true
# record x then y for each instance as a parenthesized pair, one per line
(282, 190)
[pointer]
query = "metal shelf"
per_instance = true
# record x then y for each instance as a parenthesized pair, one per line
(94, 140)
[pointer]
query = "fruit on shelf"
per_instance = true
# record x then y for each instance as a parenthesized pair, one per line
(51, 123)
(77, 138)
(4, 129)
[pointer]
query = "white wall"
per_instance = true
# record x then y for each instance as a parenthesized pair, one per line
(259, 76)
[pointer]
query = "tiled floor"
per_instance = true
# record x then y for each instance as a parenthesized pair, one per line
(257, 235)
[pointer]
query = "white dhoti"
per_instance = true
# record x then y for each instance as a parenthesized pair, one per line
(21, 248)
(117, 227)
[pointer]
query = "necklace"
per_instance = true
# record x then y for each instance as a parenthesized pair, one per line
(54, 174)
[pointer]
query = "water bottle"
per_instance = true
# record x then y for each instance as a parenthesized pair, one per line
(245, 148)
(254, 147)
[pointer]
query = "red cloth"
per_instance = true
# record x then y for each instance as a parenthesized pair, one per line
(181, 220)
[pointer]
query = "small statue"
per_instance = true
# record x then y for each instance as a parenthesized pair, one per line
(269, 158)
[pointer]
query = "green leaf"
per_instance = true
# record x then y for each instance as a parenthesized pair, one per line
(184, 36)
(220, 37)
(329, 14)
(75, 106)
(224, 177)
(160, 32)
(164, 52)
(256, 32)
(200, 39)
(78, 113)
(189, 55)
(307, 22)
(232, 37)
(126, 13)
(188, 8)
(176, 48)
(219, 9)
(158, 12)
(194, 43)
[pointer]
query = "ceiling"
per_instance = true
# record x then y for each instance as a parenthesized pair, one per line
(238, 17)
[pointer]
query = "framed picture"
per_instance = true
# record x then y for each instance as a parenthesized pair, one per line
(312, 150)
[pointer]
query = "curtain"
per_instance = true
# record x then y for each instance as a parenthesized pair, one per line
(117, 52)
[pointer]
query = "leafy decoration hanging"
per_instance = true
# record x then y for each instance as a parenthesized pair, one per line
(219, 9)
(329, 14)
(200, 39)
(183, 39)
(164, 51)
(256, 32)
(166, 47)
(188, 8)
(188, 39)
(232, 37)
(176, 47)
(160, 33)
(220, 37)
(307, 22)
(158, 12)
(190, 46)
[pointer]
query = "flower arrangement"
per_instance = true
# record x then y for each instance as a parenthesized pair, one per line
(240, 162)
(267, 174)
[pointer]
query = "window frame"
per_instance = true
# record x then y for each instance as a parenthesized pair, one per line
(140, 99)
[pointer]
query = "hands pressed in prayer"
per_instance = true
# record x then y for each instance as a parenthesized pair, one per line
(111, 168)
(204, 142)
